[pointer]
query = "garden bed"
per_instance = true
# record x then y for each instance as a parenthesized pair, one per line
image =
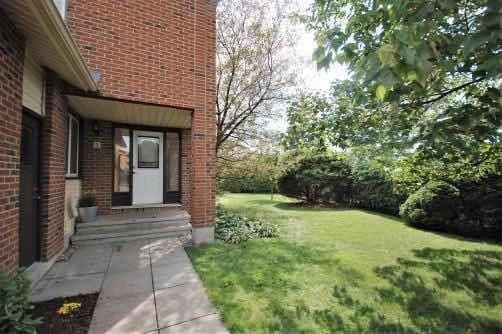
(73, 321)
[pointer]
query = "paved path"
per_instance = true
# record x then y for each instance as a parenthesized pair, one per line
(145, 287)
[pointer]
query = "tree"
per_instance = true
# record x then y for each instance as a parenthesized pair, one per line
(253, 69)
(308, 125)
(426, 75)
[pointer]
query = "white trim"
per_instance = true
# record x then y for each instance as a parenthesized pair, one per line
(69, 124)
(54, 26)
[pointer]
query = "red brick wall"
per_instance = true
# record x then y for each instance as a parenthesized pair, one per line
(204, 122)
(161, 52)
(52, 168)
(11, 87)
(96, 164)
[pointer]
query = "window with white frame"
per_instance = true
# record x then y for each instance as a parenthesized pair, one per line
(72, 143)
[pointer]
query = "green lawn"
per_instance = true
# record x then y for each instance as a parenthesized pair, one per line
(350, 271)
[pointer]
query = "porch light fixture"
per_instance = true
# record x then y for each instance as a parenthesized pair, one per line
(96, 128)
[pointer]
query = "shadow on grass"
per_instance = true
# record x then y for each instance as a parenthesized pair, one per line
(436, 291)
(300, 206)
(424, 287)
(264, 276)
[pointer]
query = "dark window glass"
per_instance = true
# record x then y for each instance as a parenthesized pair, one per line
(148, 152)
(173, 161)
(122, 167)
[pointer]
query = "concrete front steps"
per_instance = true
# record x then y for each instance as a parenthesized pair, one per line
(134, 224)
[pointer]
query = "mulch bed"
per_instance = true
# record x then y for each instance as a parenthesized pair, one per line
(78, 321)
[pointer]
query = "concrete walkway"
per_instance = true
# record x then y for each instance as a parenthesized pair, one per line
(145, 287)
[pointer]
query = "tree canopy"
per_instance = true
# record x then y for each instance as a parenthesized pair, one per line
(426, 75)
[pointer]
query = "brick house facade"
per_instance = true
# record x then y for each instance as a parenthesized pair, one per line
(120, 97)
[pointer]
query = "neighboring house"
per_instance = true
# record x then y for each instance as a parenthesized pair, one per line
(114, 97)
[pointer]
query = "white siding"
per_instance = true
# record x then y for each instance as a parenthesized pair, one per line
(33, 86)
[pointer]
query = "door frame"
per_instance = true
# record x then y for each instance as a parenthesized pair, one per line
(38, 118)
(141, 174)
(125, 198)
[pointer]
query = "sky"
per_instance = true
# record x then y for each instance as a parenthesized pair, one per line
(310, 78)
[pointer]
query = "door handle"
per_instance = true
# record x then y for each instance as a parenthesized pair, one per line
(36, 196)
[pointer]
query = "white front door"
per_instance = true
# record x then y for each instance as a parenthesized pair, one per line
(148, 167)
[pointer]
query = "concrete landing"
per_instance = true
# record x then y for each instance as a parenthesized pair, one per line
(146, 286)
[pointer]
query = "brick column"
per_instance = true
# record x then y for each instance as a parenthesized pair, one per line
(52, 168)
(11, 90)
(96, 165)
(204, 123)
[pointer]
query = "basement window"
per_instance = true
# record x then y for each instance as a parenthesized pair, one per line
(72, 144)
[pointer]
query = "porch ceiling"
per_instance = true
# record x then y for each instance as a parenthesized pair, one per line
(49, 40)
(120, 111)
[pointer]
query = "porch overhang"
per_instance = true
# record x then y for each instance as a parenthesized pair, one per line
(49, 40)
(129, 112)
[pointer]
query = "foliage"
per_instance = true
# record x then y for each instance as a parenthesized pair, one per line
(372, 187)
(433, 206)
(244, 169)
(413, 171)
(316, 179)
(470, 208)
(335, 179)
(254, 69)
(349, 271)
(307, 124)
(15, 306)
(431, 87)
(233, 228)
(87, 200)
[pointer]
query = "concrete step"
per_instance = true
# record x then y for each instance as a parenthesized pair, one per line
(108, 237)
(131, 225)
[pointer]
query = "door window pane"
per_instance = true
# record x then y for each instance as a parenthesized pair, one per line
(148, 152)
(173, 161)
(121, 168)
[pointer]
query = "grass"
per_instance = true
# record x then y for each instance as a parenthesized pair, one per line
(350, 271)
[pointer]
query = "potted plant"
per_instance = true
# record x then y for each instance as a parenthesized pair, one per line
(87, 209)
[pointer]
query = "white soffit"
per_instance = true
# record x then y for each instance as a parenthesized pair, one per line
(49, 40)
(118, 111)
(33, 86)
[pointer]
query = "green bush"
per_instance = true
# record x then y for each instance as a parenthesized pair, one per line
(253, 184)
(233, 228)
(434, 206)
(318, 179)
(330, 179)
(481, 210)
(373, 191)
(470, 208)
(15, 307)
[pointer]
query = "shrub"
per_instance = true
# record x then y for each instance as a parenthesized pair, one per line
(15, 307)
(87, 200)
(470, 208)
(481, 210)
(322, 178)
(233, 228)
(434, 206)
(373, 191)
